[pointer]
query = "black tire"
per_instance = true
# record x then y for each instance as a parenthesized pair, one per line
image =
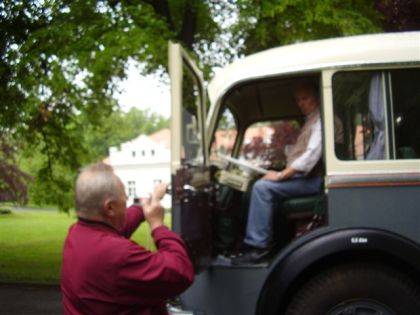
(357, 289)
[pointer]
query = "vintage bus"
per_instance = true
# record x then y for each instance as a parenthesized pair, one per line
(354, 248)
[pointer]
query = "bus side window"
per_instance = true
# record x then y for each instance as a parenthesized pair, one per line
(225, 135)
(373, 127)
(359, 101)
(380, 111)
(406, 116)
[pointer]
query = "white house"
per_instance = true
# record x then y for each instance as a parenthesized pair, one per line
(142, 163)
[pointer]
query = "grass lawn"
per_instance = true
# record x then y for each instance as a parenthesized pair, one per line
(31, 244)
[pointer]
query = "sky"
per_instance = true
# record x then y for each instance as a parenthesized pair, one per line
(144, 92)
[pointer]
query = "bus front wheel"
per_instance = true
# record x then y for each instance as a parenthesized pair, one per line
(356, 289)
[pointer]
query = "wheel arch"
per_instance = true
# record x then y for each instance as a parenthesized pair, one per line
(314, 254)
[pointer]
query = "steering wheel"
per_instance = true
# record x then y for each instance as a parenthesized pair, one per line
(243, 164)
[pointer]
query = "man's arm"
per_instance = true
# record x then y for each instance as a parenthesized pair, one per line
(133, 217)
(306, 162)
(151, 210)
(150, 278)
(288, 172)
(153, 277)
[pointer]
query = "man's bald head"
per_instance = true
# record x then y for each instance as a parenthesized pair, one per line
(95, 184)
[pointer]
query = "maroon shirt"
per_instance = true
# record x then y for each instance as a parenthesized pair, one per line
(103, 272)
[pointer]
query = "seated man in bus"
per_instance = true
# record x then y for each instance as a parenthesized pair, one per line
(299, 178)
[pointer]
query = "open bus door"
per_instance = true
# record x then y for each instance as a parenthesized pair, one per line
(191, 201)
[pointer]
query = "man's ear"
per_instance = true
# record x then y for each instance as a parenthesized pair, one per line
(109, 208)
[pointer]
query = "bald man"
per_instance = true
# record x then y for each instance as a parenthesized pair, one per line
(103, 272)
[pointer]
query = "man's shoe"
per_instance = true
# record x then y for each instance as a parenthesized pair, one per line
(253, 255)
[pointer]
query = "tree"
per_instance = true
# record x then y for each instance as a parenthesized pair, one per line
(120, 127)
(52, 184)
(13, 181)
(399, 15)
(270, 23)
(60, 61)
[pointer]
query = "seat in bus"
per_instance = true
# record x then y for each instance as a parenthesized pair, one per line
(303, 207)
(304, 213)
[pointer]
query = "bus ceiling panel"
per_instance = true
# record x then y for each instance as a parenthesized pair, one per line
(265, 101)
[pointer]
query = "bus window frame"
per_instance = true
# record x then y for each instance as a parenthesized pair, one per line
(335, 166)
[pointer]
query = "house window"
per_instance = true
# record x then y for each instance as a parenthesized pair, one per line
(152, 152)
(131, 187)
(133, 154)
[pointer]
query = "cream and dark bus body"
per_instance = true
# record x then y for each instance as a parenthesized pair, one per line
(368, 214)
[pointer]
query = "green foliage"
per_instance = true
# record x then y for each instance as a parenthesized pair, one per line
(5, 210)
(60, 62)
(53, 179)
(270, 23)
(120, 127)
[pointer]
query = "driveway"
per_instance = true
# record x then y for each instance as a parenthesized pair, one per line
(28, 299)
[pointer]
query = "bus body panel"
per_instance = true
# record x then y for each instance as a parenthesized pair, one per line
(225, 291)
(391, 208)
